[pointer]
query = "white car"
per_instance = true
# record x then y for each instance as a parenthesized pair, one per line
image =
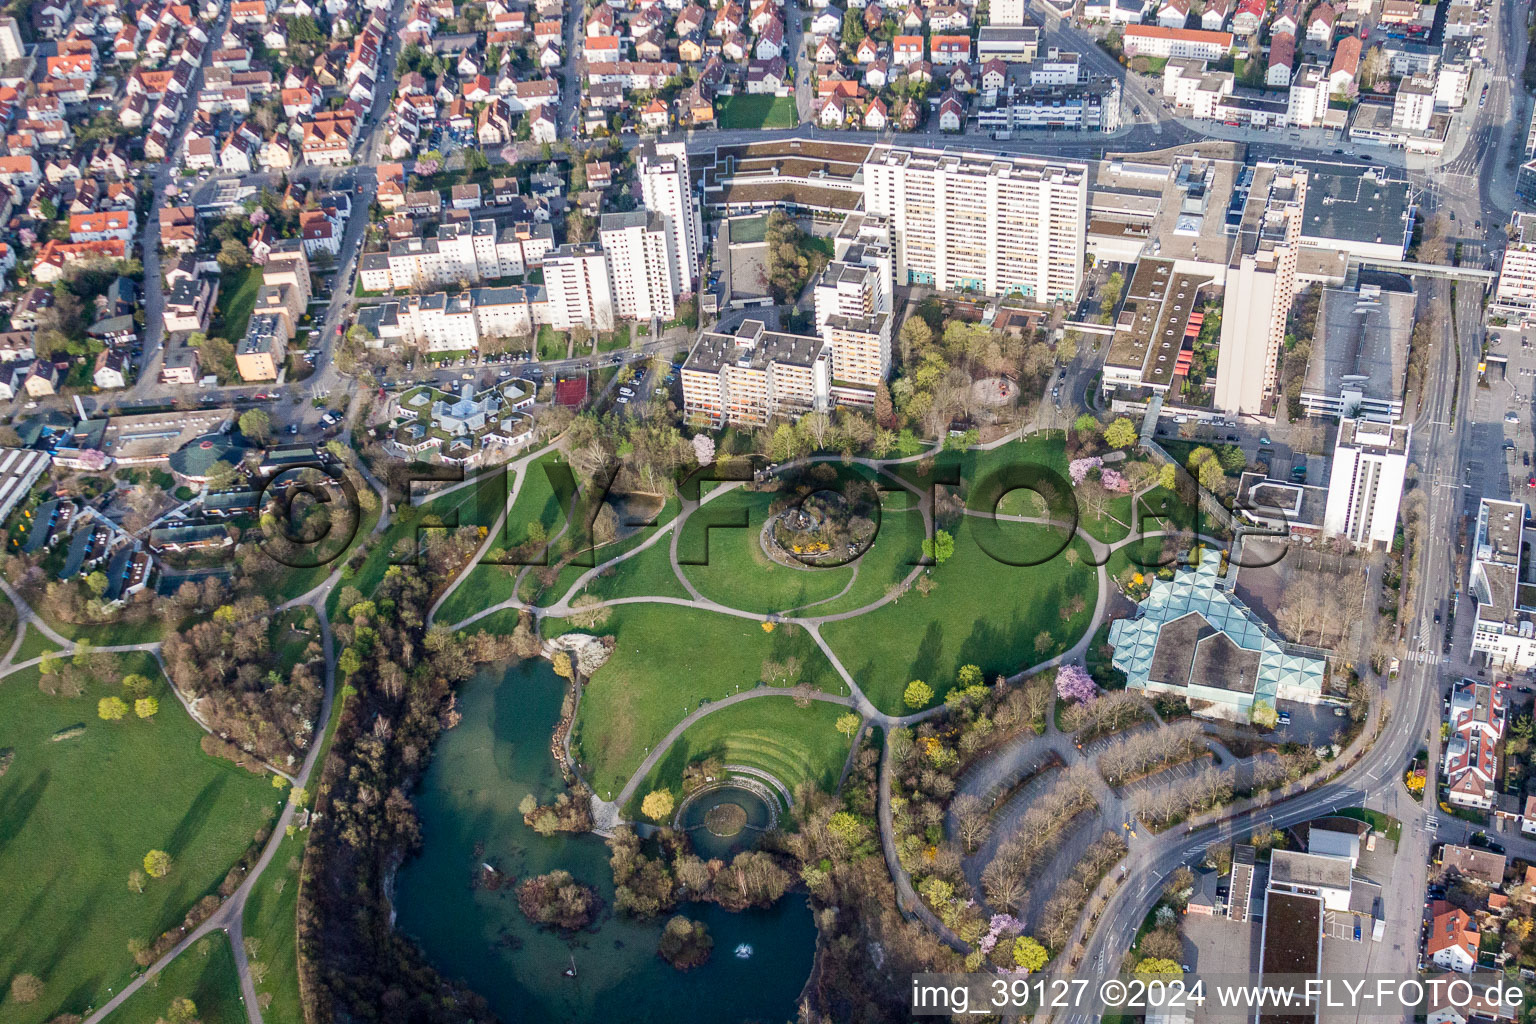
(627, 392)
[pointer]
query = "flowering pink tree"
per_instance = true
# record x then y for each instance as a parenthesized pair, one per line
(258, 216)
(1079, 469)
(1114, 481)
(1000, 925)
(703, 449)
(1074, 683)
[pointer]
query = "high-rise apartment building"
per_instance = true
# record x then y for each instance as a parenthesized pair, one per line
(638, 245)
(1370, 461)
(993, 224)
(666, 188)
(755, 374)
(1505, 628)
(1260, 284)
(576, 280)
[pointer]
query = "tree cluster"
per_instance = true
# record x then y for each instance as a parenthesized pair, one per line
(354, 964)
(649, 884)
(1134, 756)
(1005, 879)
(556, 900)
(228, 663)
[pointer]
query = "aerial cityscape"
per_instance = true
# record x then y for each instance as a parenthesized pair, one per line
(816, 511)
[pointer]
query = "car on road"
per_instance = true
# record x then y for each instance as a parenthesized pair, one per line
(504, 374)
(338, 330)
(623, 399)
(627, 392)
(1284, 718)
(1265, 441)
(292, 428)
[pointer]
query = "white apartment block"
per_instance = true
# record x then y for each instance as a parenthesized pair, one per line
(576, 282)
(473, 251)
(1308, 99)
(1157, 41)
(1515, 295)
(998, 225)
(752, 376)
(11, 47)
(440, 322)
(638, 245)
(1009, 13)
(1414, 104)
(666, 188)
(1370, 460)
(1260, 284)
(1505, 628)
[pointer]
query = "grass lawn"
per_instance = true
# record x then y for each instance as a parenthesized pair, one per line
(475, 504)
(756, 112)
(484, 586)
(1172, 512)
(896, 550)
(738, 573)
(270, 919)
(77, 815)
(647, 574)
(290, 639)
(34, 645)
(204, 974)
(551, 343)
(297, 581)
(669, 660)
(792, 744)
(981, 611)
(108, 634)
(237, 297)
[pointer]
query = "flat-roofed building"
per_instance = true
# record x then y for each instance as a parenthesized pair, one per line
(666, 187)
(1193, 638)
(1367, 214)
(1504, 631)
(1359, 355)
(580, 294)
(20, 468)
(1515, 296)
(1156, 324)
(1370, 463)
(1316, 874)
(638, 248)
(1260, 285)
(751, 376)
(261, 353)
(1291, 948)
(964, 221)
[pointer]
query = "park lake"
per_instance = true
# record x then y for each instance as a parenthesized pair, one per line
(468, 804)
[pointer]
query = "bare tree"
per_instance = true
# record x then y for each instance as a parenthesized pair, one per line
(971, 820)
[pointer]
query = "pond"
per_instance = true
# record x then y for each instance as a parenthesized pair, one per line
(468, 806)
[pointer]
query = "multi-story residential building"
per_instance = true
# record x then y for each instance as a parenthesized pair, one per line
(1157, 320)
(1308, 99)
(453, 323)
(1008, 12)
(1515, 295)
(965, 221)
(1505, 629)
(667, 188)
(1260, 284)
(1414, 104)
(260, 354)
(638, 246)
(11, 46)
(1156, 41)
(580, 294)
(751, 376)
(1476, 727)
(1370, 461)
(1085, 106)
(475, 251)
